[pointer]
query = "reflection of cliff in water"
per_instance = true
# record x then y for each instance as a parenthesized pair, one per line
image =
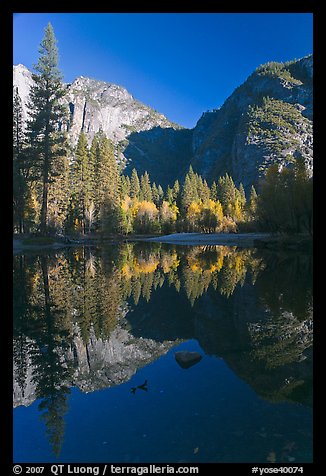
(73, 325)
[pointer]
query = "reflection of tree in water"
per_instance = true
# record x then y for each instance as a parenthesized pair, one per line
(51, 373)
(20, 353)
(47, 335)
(192, 269)
(233, 272)
(288, 284)
(285, 336)
(22, 288)
(280, 343)
(50, 294)
(94, 286)
(140, 273)
(108, 304)
(281, 340)
(222, 267)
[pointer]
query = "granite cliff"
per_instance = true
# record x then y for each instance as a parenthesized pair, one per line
(267, 119)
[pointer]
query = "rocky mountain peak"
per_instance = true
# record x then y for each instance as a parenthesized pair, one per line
(98, 89)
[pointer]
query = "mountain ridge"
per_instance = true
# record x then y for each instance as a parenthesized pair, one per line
(222, 139)
(94, 93)
(267, 119)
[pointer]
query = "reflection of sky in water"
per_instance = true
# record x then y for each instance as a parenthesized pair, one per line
(213, 411)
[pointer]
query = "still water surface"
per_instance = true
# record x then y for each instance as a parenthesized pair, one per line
(96, 332)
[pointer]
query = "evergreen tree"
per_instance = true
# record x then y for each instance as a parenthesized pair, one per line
(108, 180)
(169, 195)
(199, 185)
(227, 194)
(239, 205)
(176, 192)
(285, 200)
(82, 183)
(125, 187)
(46, 117)
(303, 197)
(93, 211)
(242, 196)
(155, 195)
(189, 189)
(134, 184)
(18, 131)
(203, 190)
(145, 188)
(191, 174)
(213, 192)
(160, 194)
(94, 151)
(58, 196)
(252, 208)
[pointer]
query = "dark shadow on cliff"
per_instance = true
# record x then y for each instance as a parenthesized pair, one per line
(165, 153)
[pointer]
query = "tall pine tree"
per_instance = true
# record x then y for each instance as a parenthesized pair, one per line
(134, 184)
(253, 199)
(189, 189)
(145, 188)
(82, 183)
(47, 114)
(108, 180)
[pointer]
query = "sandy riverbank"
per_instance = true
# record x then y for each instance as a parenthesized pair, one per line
(230, 239)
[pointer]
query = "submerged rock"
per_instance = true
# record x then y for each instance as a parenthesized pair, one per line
(187, 359)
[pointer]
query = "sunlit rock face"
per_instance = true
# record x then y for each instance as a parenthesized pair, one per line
(96, 365)
(22, 79)
(105, 363)
(97, 105)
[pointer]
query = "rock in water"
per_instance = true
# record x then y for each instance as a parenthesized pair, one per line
(187, 359)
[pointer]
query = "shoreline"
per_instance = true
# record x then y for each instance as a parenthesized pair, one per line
(256, 240)
(226, 239)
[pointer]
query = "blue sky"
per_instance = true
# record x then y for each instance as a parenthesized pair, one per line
(181, 64)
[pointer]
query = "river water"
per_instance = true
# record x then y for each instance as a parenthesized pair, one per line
(98, 369)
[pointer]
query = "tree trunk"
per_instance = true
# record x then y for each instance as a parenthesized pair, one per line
(44, 209)
(46, 165)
